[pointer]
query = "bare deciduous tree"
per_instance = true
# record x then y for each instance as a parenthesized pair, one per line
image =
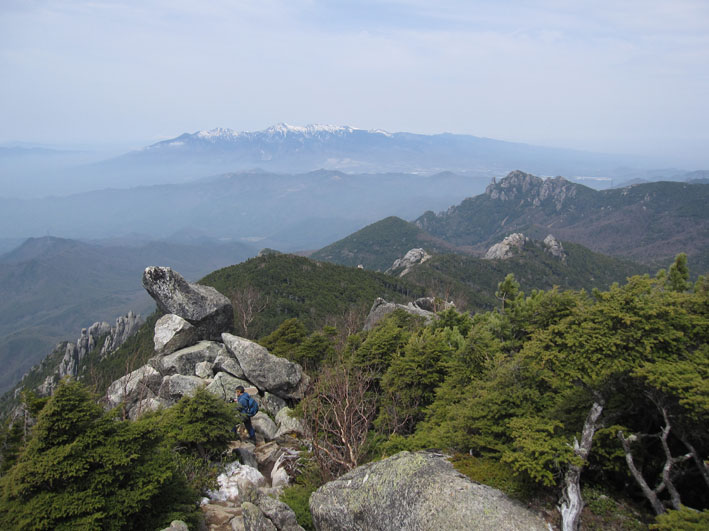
(247, 302)
(337, 415)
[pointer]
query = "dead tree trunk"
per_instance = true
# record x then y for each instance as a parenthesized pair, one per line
(650, 494)
(572, 503)
(666, 475)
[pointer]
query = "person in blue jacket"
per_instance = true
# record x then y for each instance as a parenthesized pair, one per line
(249, 407)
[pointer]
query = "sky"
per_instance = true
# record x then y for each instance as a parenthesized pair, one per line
(617, 76)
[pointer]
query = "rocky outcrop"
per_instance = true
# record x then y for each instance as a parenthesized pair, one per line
(266, 371)
(507, 248)
(554, 248)
(519, 186)
(126, 327)
(73, 354)
(203, 306)
(172, 333)
(424, 307)
(409, 260)
(415, 491)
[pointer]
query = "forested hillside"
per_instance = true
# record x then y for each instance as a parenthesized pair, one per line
(376, 246)
(562, 399)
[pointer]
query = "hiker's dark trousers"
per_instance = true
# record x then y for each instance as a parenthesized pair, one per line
(249, 427)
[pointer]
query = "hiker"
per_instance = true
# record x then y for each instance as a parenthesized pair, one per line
(249, 407)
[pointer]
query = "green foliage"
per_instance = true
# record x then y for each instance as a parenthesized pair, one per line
(377, 245)
(473, 282)
(285, 339)
(537, 449)
(685, 519)
(508, 290)
(12, 437)
(313, 292)
(385, 341)
(495, 474)
(678, 277)
(83, 470)
(413, 375)
(604, 513)
(200, 425)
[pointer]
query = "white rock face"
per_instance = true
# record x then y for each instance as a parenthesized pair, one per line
(272, 404)
(146, 405)
(172, 333)
(236, 478)
(554, 248)
(410, 259)
(126, 327)
(507, 247)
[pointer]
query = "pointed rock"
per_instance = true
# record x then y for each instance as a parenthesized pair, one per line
(203, 306)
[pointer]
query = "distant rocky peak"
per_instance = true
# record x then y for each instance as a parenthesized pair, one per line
(527, 188)
(73, 354)
(507, 248)
(410, 259)
(554, 248)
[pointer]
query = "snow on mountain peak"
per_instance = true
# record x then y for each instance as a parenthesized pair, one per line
(275, 132)
(217, 133)
(284, 129)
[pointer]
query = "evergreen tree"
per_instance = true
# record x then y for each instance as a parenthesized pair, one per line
(81, 469)
(678, 277)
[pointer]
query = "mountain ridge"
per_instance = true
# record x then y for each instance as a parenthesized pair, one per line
(650, 223)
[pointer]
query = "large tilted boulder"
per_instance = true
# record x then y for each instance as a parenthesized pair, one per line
(203, 306)
(266, 371)
(416, 491)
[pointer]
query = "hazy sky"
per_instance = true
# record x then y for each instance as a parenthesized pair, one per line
(617, 76)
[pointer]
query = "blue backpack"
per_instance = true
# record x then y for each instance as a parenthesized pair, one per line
(251, 406)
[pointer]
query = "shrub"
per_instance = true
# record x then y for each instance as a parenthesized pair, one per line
(495, 474)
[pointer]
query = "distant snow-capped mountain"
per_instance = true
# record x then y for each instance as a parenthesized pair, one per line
(278, 133)
(288, 148)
